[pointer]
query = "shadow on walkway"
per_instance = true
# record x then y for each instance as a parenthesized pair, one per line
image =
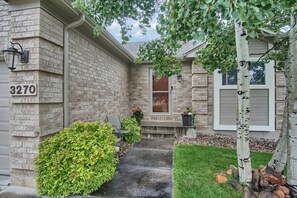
(144, 171)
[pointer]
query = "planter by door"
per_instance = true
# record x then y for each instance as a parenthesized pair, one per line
(187, 120)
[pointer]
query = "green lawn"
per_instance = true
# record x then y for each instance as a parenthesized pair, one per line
(195, 168)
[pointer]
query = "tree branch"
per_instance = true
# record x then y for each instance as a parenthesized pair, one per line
(274, 46)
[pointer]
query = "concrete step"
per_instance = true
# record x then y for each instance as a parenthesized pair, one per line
(163, 129)
(156, 135)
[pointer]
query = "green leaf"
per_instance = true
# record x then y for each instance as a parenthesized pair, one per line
(203, 6)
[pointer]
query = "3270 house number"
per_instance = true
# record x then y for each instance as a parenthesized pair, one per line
(23, 90)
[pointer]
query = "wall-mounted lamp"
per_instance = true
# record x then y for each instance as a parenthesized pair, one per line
(179, 78)
(13, 56)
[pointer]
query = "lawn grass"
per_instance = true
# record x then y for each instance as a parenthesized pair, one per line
(195, 168)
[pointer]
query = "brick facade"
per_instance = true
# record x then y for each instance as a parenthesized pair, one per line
(140, 92)
(4, 25)
(35, 117)
(98, 84)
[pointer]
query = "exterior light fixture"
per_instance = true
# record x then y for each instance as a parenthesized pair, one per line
(13, 56)
(179, 78)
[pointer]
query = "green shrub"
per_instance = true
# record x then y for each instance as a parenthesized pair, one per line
(131, 125)
(78, 160)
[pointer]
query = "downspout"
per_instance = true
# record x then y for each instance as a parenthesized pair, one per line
(72, 25)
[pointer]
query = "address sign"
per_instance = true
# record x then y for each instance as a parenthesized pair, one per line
(23, 90)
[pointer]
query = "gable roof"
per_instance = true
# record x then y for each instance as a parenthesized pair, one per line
(183, 52)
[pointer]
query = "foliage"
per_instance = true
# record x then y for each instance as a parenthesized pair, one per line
(137, 114)
(185, 20)
(130, 124)
(195, 170)
(211, 57)
(77, 160)
(162, 56)
(189, 111)
(105, 12)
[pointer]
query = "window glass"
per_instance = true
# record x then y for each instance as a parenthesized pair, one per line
(257, 75)
(160, 102)
(160, 84)
(160, 94)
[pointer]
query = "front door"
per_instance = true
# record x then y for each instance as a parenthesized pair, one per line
(160, 95)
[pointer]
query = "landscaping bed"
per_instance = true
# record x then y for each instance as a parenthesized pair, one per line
(262, 145)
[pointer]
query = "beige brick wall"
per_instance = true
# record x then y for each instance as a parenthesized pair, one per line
(4, 25)
(33, 117)
(98, 83)
(198, 93)
(280, 92)
(200, 96)
(140, 92)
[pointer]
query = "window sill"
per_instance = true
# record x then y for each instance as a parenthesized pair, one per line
(252, 128)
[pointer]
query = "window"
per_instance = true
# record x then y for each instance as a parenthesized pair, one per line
(257, 75)
(262, 98)
(160, 94)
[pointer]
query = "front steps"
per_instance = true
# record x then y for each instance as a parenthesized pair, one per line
(154, 129)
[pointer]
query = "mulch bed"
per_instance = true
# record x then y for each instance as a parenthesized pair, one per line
(261, 145)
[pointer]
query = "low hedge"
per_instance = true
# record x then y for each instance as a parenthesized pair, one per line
(130, 124)
(78, 160)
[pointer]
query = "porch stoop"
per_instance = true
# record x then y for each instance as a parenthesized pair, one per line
(157, 129)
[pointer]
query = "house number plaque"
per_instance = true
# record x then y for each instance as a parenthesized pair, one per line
(23, 90)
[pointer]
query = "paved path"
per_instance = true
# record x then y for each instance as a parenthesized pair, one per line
(144, 171)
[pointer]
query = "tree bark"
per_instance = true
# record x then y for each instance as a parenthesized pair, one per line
(292, 110)
(279, 158)
(243, 111)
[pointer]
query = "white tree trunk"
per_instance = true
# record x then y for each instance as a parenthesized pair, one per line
(279, 158)
(292, 110)
(243, 116)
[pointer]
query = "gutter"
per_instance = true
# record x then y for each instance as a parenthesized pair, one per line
(72, 25)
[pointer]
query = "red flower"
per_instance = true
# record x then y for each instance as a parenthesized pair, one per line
(133, 110)
(138, 109)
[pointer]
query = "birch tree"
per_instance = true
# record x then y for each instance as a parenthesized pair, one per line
(292, 109)
(243, 110)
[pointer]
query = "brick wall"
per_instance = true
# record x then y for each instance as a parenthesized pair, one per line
(4, 25)
(280, 96)
(98, 83)
(140, 92)
(200, 96)
(34, 117)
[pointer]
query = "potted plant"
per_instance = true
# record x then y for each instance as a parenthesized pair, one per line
(188, 117)
(137, 114)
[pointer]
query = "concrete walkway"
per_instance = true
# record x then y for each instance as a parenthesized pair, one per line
(144, 171)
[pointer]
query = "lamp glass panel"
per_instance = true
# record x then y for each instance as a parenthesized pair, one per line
(12, 59)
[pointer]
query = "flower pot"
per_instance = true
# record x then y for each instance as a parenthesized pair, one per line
(187, 120)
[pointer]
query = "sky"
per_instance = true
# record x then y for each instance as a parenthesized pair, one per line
(136, 33)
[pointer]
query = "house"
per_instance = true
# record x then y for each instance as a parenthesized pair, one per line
(76, 76)
(212, 97)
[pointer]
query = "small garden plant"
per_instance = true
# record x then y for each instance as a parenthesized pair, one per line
(137, 114)
(78, 160)
(130, 124)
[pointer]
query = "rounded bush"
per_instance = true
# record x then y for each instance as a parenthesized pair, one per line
(77, 160)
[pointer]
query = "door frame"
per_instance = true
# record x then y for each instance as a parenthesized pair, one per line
(151, 96)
